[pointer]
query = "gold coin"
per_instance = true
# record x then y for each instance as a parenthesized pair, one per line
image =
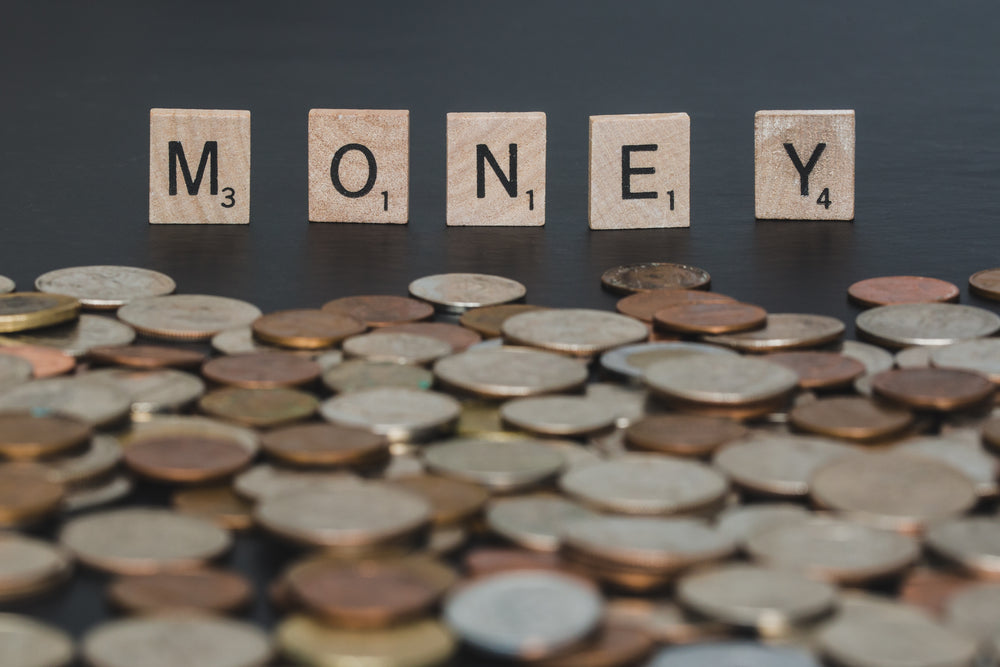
(21, 311)
(27, 493)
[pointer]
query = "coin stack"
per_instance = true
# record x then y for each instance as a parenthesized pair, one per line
(456, 477)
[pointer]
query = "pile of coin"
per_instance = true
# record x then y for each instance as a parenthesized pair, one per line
(456, 477)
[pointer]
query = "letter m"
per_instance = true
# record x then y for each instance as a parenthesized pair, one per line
(209, 156)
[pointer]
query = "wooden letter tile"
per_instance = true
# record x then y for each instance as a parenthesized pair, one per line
(640, 171)
(496, 169)
(199, 166)
(359, 165)
(804, 165)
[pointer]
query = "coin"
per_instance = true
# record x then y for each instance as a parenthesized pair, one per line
(973, 610)
(147, 357)
(631, 361)
(153, 391)
(851, 418)
(305, 329)
(206, 589)
(682, 435)
(75, 339)
(614, 644)
(558, 415)
(720, 380)
(358, 374)
(261, 370)
(710, 318)
(400, 414)
(95, 401)
(662, 621)
(22, 311)
(97, 494)
(26, 436)
(239, 341)
(45, 362)
(497, 465)
(740, 522)
(925, 324)
(645, 484)
(171, 640)
(510, 371)
(820, 370)
(380, 310)
(533, 521)
(887, 290)
(483, 561)
(981, 355)
(187, 459)
(968, 457)
(938, 389)
(874, 358)
(972, 543)
(397, 348)
(29, 566)
(985, 283)
(6, 285)
(187, 316)
(733, 654)
(324, 445)
(27, 643)
(13, 371)
(218, 504)
(458, 337)
(259, 408)
(892, 490)
(784, 331)
(643, 305)
(632, 278)
(105, 287)
(488, 321)
(917, 356)
(98, 459)
(263, 481)
(930, 589)
(452, 501)
(576, 331)
(458, 292)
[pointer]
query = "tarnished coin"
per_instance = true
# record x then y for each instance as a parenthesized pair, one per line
(260, 408)
(264, 481)
(98, 459)
(489, 320)
(105, 286)
(27, 435)
(497, 465)
(401, 415)
(171, 640)
(874, 358)
(146, 357)
(324, 445)
(974, 609)
(205, 589)
(21, 311)
(720, 379)
(645, 484)
(510, 371)
(460, 338)
(187, 316)
(27, 643)
(967, 457)
(972, 543)
(483, 561)
(13, 371)
(682, 435)
(925, 324)
(893, 490)
(710, 318)
(740, 522)
(527, 615)
(930, 590)
(78, 338)
(632, 360)
(262, 370)
(887, 290)
(851, 418)
(733, 654)
(986, 283)
(632, 278)
(458, 292)
(614, 644)
(358, 374)
(45, 362)
(187, 459)
(577, 331)
(218, 504)
(397, 348)
(380, 310)
(938, 389)
(305, 329)
(95, 401)
(29, 566)
(820, 370)
(533, 521)
(153, 391)
(558, 415)
(784, 331)
(6, 285)
(140, 540)
(643, 305)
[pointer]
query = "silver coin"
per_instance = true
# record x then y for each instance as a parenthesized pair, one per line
(558, 415)
(77, 338)
(964, 455)
(578, 331)
(510, 371)
(25, 642)
(153, 391)
(632, 360)
(400, 414)
(97, 495)
(239, 341)
(721, 380)
(500, 465)
(906, 324)
(105, 286)
(30, 565)
(264, 481)
(575, 454)
(784, 331)
(874, 358)
(981, 355)
(733, 654)
(972, 543)
(358, 374)
(628, 403)
(833, 549)
(100, 457)
(645, 484)
(458, 292)
(6, 285)
(187, 316)
(740, 522)
(13, 371)
(975, 611)
(863, 384)
(98, 402)
(528, 615)
(916, 356)
(396, 348)
(535, 521)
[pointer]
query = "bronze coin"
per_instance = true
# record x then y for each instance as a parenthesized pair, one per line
(488, 319)
(262, 370)
(614, 645)
(710, 318)
(938, 389)
(219, 504)
(305, 329)
(324, 445)
(931, 589)
(381, 310)
(45, 362)
(888, 290)
(485, 561)
(195, 590)
(260, 408)
(633, 278)
(986, 283)
(27, 493)
(820, 370)
(458, 337)
(682, 435)
(26, 436)
(146, 356)
(851, 418)
(452, 501)
(643, 305)
(186, 458)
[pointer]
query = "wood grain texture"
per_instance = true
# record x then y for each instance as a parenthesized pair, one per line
(193, 128)
(652, 200)
(386, 136)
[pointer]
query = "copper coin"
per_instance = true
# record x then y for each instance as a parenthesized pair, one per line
(683, 435)
(186, 458)
(485, 561)
(820, 370)
(710, 318)
(643, 305)
(380, 310)
(614, 645)
(146, 356)
(991, 432)
(305, 329)
(27, 493)
(45, 362)
(488, 320)
(931, 589)
(452, 501)
(986, 283)
(633, 278)
(939, 389)
(888, 290)
(851, 418)
(324, 445)
(260, 408)
(25, 436)
(219, 504)
(262, 370)
(195, 590)
(369, 594)
(458, 337)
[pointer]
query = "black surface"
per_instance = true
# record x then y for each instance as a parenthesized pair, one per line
(77, 81)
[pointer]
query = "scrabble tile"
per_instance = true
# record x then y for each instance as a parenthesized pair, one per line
(804, 165)
(640, 171)
(359, 165)
(496, 169)
(199, 166)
